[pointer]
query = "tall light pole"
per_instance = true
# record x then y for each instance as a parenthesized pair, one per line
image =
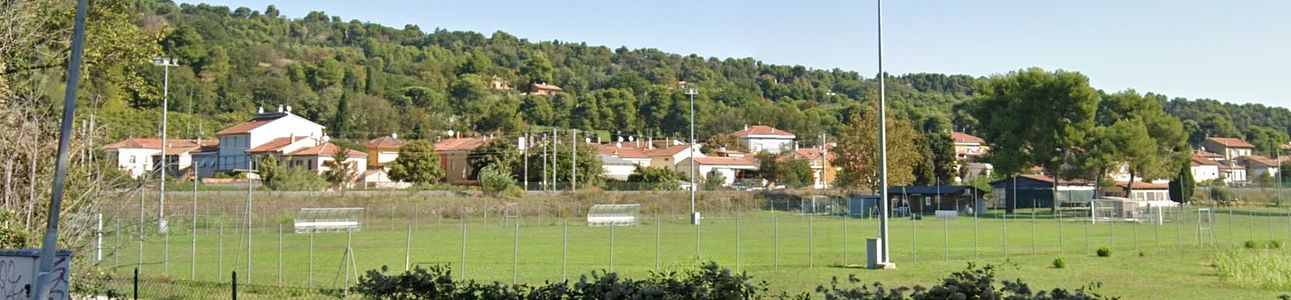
(884, 259)
(694, 214)
(165, 64)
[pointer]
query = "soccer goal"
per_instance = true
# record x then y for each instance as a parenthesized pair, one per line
(329, 219)
(614, 215)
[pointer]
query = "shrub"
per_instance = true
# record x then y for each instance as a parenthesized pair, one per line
(495, 183)
(1104, 252)
(1059, 263)
(1275, 244)
(707, 281)
(1253, 244)
(1143, 254)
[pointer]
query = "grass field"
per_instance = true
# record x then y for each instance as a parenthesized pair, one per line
(792, 252)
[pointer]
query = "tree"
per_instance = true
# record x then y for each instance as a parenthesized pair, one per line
(656, 179)
(1034, 118)
(499, 154)
(341, 122)
(937, 162)
(795, 173)
(857, 153)
(340, 171)
(1152, 142)
(494, 182)
(1183, 185)
(726, 141)
(417, 163)
(270, 171)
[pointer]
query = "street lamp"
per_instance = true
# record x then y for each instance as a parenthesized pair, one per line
(165, 64)
(884, 260)
(694, 214)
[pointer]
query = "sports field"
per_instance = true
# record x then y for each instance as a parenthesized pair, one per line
(793, 252)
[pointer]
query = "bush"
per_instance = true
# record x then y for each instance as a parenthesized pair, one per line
(707, 281)
(1059, 263)
(1104, 252)
(1275, 244)
(1253, 244)
(495, 183)
(1271, 244)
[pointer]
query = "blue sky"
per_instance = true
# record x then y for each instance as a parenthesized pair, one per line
(1233, 51)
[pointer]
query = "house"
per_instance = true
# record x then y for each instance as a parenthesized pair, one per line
(925, 200)
(1036, 191)
(761, 138)
(1203, 168)
(1257, 166)
(1142, 191)
(544, 89)
(1231, 172)
(616, 168)
(1230, 148)
(672, 156)
(497, 83)
(317, 159)
(236, 142)
(181, 156)
(823, 171)
(968, 146)
(729, 168)
(629, 153)
(139, 156)
(383, 150)
(452, 158)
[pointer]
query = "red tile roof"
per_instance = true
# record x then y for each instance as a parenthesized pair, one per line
(176, 146)
(327, 150)
(1231, 142)
(812, 154)
(1261, 160)
(276, 144)
(964, 138)
(460, 144)
(385, 142)
(1144, 185)
(621, 152)
(1202, 160)
(725, 161)
(1047, 179)
(761, 130)
(668, 151)
(136, 143)
(544, 86)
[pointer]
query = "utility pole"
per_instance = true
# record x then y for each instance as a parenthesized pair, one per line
(165, 64)
(694, 214)
(573, 163)
(525, 152)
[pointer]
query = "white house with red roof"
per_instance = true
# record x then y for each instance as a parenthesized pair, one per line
(729, 168)
(278, 132)
(761, 138)
(968, 146)
(317, 158)
(138, 156)
(1230, 148)
(1203, 168)
(672, 156)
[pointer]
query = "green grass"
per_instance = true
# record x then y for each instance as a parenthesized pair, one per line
(1255, 268)
(811, 250)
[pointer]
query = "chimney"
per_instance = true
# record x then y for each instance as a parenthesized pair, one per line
(746, 127)
(795, 146)
(259, 110)
(289, 109)
(280, 108)
(618, 145)
(394, 135)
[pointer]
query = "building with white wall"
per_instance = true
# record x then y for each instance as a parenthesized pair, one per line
(761, 138)
(1230, 148)
(730, 168)
(1204, 168)
(237, 141)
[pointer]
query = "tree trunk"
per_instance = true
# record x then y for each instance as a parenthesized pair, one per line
(8, 182)
(1129, 186)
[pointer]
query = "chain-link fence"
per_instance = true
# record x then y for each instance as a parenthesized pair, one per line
(545, 236)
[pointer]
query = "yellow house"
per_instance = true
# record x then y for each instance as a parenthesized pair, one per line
(452, 158)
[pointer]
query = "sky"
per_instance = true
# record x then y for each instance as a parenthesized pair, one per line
(1232, 51)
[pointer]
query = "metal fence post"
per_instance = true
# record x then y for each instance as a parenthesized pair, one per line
(463, 219)
(811, 241)
(235, 284)
(777, 242)
(658, 229)
(739, 242)
(220, 271)
(407, 249)
(279, 255)
(564, 250)
(515, 255)
(136, 283)
(310, 280)
(612, 247)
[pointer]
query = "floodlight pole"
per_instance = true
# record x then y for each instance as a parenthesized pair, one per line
(49, 244)
(165, 64)
(249, 172)
(884, 258)
(694, 214)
